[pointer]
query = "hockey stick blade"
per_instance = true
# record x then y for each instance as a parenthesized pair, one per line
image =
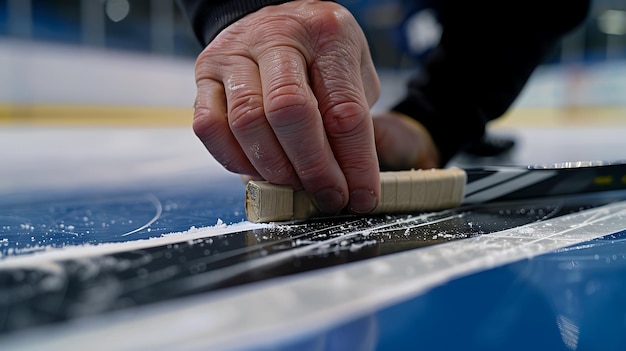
(437, 189)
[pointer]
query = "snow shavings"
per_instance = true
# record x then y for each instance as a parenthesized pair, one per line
(43, 254)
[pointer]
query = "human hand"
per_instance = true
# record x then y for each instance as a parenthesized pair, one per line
(284, 94)
(403, 143)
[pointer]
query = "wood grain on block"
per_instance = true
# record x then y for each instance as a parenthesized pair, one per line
(303, 206)
(266, 202)
(405, 191)
(420, 190)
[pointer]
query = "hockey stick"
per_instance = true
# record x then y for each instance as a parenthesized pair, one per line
(437, 189)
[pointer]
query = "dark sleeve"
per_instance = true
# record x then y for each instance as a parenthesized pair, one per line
(209, 17)
(487, 52)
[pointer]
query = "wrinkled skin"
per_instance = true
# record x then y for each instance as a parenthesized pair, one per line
(284, 94)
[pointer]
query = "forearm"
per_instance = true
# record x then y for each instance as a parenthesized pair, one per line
(487, 53)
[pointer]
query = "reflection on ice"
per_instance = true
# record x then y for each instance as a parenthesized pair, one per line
(569, 332)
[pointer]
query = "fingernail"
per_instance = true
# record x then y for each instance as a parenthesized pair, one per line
(329, 200)
(362, 201)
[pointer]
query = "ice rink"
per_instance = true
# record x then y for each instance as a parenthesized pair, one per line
(99, 166)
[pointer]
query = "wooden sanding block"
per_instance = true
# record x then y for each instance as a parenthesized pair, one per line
(401, 192)
(437, 189)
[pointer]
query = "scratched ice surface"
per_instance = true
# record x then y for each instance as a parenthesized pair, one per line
(71, 288)
(571, 299)
(34, 222)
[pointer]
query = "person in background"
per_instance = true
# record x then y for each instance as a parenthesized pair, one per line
(285, 89)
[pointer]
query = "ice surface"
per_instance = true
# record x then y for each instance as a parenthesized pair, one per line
(209, 259)
(309, 302)
(45, 254)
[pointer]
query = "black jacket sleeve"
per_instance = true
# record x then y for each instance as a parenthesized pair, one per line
(487, 52)
(209, 17)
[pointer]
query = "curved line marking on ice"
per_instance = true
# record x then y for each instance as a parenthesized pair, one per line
(159, 210)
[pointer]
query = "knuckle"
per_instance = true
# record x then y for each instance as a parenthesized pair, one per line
(330, 19)
(205, 123)
(346, 118)
(287, 97)
(220, 56)
(332, 27)
(245, 110)
(208, 65)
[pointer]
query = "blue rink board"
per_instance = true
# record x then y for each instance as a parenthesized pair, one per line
(567, 299)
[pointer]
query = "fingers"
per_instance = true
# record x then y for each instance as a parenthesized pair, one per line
(294, 108)
(344, 105)
(350, 133)
(292, 112)
(230, 121)
(210, 124)
(248, 123)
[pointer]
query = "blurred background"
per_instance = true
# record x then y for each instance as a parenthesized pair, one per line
(158, 27)
(129, 63)
(141, 52)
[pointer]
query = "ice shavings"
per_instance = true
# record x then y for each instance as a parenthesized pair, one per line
(354, 247)
(43, 254)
